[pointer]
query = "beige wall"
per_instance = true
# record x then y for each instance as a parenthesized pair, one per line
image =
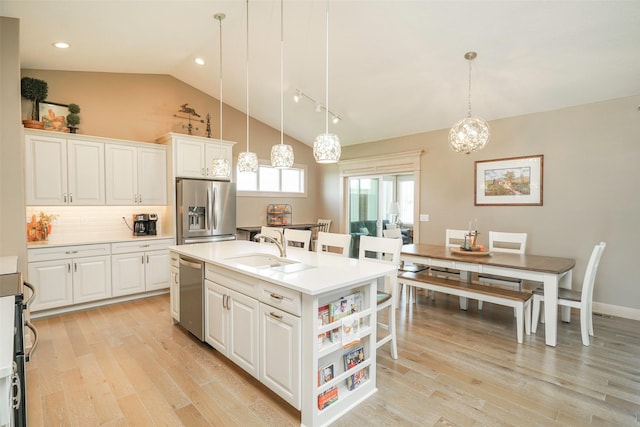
(591, 171)
(140, 107)
(12, 224)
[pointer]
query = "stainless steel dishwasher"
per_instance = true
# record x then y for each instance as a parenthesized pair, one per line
(192, 296)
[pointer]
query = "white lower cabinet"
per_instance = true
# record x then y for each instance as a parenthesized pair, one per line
(257, 325)
(140, 266)
(63, 276)
(232, 325)
(280, 353)
(174, 286)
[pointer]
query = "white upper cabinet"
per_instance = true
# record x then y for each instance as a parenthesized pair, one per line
(192, 155)
(64, 172)
(136, 175)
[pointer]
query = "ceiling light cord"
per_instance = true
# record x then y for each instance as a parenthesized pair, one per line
(220, 18)
(281, 72)
(326, 103)
(247, 76)
(469, 97)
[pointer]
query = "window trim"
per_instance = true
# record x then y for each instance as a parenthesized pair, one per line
(303, 167)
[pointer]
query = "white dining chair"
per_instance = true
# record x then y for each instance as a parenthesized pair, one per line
(392, 233)
(379, 248)
(333, 243)
(273, 232)
(322, 225)
(298, 238)
(513, 243)
(582, 300)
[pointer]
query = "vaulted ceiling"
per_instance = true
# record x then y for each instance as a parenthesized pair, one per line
(395, 67)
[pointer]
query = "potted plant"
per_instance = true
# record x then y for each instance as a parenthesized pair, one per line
(73, 119)
(35, 90)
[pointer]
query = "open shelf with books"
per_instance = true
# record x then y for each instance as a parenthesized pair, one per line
(344, 351)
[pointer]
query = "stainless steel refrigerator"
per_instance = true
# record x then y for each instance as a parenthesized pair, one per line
(206, 211)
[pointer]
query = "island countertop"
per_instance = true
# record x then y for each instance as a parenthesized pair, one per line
(323, 272)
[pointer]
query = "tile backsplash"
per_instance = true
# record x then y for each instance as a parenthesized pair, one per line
(86, 223)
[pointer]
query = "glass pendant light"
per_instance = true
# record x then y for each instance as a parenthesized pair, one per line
(220, 167)
(281, 154)
(469, 134)
(247, 161)
(326, 147)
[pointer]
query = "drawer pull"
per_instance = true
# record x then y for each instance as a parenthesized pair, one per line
(144, 246)
(71, 252)
(276, 296)
(275, 316)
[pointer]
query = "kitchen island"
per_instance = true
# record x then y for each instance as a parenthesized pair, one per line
(262, 312)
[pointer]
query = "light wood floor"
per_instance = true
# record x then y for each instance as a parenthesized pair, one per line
(127, 365)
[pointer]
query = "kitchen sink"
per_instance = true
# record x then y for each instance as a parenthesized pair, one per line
(270, 262)
(262, 261)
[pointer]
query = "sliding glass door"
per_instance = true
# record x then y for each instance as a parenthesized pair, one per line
(379, 202)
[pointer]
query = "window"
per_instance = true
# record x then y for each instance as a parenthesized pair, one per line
(269, 180)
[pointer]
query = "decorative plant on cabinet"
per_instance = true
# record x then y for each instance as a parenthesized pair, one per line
(35, 90)
(73, 119)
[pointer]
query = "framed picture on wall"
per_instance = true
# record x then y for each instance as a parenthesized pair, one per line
(53, 115)
(515, 181)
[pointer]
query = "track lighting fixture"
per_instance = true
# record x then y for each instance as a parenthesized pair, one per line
(319, 108)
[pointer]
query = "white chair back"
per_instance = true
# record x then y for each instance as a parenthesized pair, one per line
(384, 249)
(324, 225)
(590, 274)
(392, 233)
(454, 238)
(273, 232)
(299, 238)
(514, 243)
(328, 241)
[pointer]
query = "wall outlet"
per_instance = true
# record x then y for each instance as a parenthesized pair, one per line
(424, 217)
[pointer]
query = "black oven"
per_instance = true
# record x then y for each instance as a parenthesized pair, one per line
(11, 285)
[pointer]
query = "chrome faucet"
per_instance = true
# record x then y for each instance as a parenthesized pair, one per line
(282, 246)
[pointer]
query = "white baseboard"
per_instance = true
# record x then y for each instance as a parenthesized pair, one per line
(93, 304)
(616, 311)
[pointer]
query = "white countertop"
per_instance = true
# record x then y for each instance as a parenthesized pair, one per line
(93, 240)
(328, 271)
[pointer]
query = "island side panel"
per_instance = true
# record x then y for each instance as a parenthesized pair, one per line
(312, 352)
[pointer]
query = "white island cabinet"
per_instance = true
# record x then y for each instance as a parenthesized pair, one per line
(266, 319)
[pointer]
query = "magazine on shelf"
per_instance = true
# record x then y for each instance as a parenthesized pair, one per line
(344, 307)
(327, 397)
(358, 378)
(323, 314)
(353, 357)
(350, 329)
(325, 374)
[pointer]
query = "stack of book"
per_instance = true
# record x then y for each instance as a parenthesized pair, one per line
(352, 358)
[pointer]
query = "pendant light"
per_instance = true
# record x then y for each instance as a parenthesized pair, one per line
(220, 167)
(326, 147)
(469, 134)
(281, 154)
(247, 161)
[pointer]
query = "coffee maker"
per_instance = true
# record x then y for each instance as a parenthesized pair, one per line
(145, 224)
(140, 224)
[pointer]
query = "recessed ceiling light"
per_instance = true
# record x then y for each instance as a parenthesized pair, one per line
(199, 61)
(61, 45)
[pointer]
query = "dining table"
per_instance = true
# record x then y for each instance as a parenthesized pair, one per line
(553, 272)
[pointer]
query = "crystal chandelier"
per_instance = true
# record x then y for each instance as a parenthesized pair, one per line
(220, 167)
(281, 154)
(326, 147)
(247, 161)
(469, 134)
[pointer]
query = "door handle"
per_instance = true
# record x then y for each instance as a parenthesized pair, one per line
(214, 209)
(29, 325)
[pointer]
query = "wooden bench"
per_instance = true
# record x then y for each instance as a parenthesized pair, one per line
(521, 301)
